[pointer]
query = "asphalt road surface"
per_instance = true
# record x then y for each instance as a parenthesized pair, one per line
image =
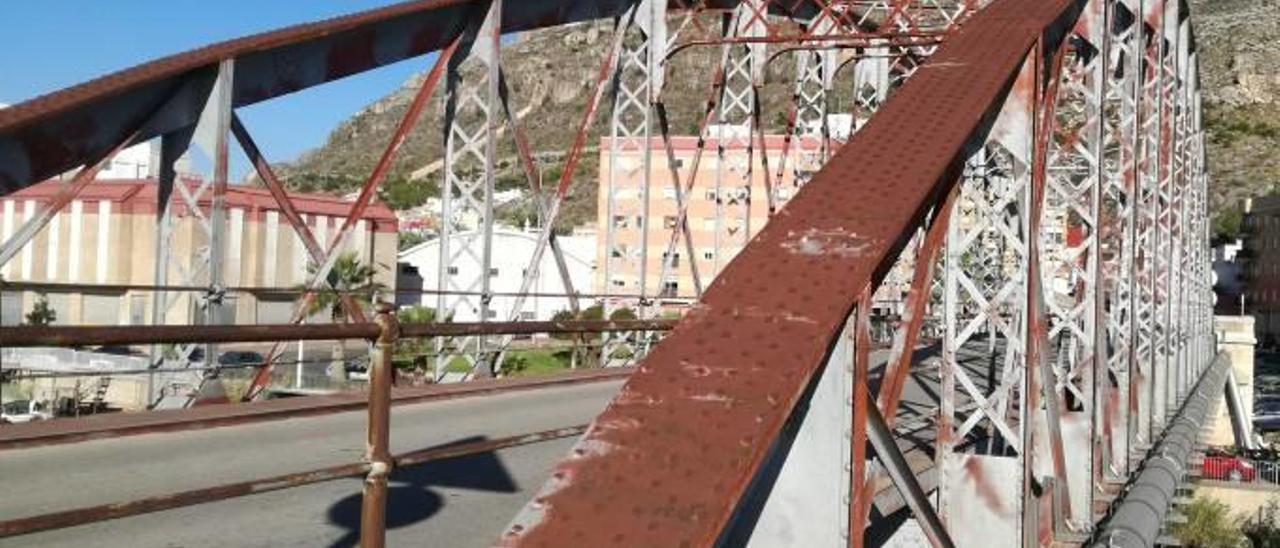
(462, 502)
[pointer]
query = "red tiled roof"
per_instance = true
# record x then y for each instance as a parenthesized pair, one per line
(139, 196)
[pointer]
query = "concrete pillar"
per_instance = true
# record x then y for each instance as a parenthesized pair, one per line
(1235, 337)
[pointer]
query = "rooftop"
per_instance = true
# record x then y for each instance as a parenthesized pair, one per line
(139, 195)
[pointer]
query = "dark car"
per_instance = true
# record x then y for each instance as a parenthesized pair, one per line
(240, 358)
(117, 350)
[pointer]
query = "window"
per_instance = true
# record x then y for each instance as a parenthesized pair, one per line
(669, 221)
(453, 271)
(640, 222)
(616, 282)
(709, 255)
(493, 272)
(526, 315)
(710, 194)
(490, 314)
(679, 163)
(670, 288)
(674, 258)
(620, 221)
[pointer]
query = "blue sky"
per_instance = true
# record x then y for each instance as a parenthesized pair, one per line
(52, 44)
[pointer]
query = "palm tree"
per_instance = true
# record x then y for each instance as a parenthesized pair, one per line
(349, 276)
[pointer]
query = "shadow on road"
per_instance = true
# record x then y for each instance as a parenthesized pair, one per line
(410, 495)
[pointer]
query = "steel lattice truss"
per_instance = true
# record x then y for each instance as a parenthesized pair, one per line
(1024, 179)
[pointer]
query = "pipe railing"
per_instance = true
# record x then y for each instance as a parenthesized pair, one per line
(34, 336)
(1140, 514)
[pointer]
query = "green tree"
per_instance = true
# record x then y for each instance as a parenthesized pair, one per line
(1263, 529)
(410, 239)
(415, 349)
(1208, 525)
(348, 276)
(40, 313)
(623, 314)
(582, 351)
(1226, 225)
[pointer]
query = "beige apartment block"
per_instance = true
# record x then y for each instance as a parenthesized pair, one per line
(92, 255)
(718, 234)
(719, 218)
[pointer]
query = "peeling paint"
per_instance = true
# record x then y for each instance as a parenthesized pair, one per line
(822, 242)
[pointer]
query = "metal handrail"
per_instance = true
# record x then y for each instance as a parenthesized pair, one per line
(32, 336)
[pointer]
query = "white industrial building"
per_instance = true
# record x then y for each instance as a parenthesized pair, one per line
(511, 252)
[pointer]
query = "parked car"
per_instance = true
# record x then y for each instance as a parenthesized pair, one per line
(240, 357)
(1221, 466)
(20, 411)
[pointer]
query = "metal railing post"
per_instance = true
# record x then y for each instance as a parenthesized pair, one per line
(374, 505)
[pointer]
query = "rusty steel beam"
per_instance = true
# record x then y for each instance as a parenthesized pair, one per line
(693, 425)
(117, 510)
(29, 336)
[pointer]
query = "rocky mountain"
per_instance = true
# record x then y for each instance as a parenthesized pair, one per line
(1239, 44)
(552, 73)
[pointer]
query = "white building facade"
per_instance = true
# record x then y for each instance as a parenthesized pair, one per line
(511, 252)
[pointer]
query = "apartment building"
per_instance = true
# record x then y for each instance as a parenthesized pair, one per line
(104, 241)
(725, 209)
(1260, 266)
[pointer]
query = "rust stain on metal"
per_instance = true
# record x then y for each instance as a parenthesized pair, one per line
(677, 480)
(988, 493)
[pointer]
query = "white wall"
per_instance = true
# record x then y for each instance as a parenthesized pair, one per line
(512, 250)
(131, 163)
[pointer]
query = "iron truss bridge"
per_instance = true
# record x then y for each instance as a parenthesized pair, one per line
(1032, 381)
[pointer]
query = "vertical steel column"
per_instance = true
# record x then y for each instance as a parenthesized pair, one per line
(209, 135)
(871, 82)
(1070, 273)
(220, 105)
(1183, 266)
(172, 146)
(994, 205)
(735, 130)
(1117, 225)
(1145, 382)
(1165, 217)
(637, 81)
(471, 132)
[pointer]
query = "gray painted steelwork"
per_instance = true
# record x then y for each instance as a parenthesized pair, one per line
(1141, 513)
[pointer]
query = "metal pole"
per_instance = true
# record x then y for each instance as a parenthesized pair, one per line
(1240, 424)
(904, 479)
(374, 507)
